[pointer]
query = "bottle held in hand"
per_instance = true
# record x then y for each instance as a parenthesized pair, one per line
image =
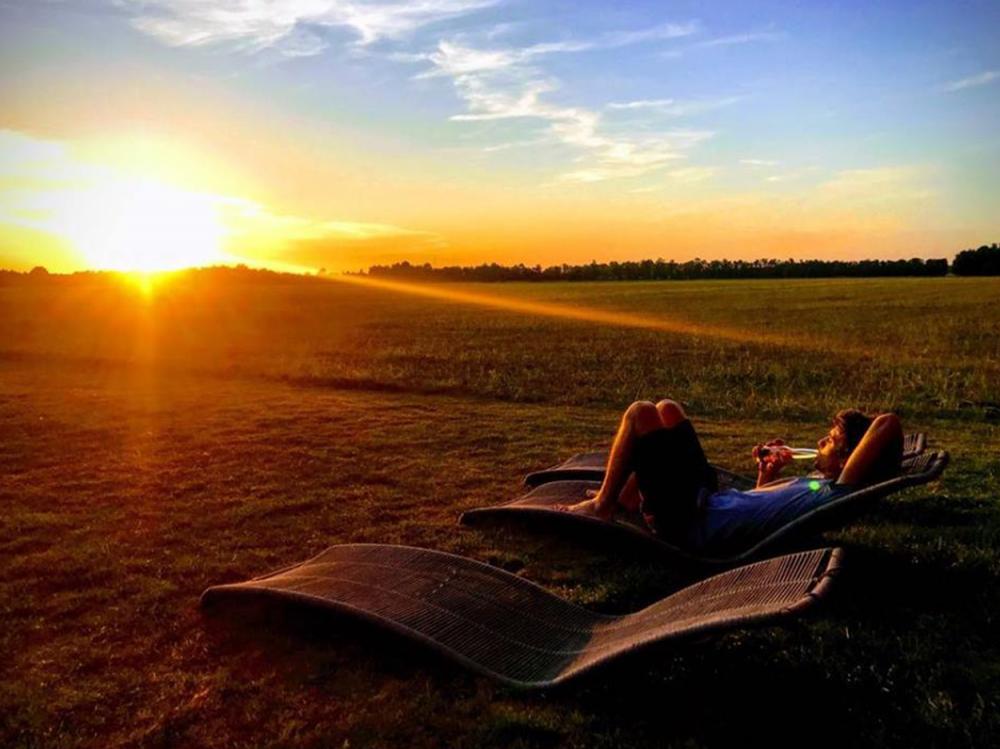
(795, 453)
(774, 455)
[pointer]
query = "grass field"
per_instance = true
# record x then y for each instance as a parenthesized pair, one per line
(155, 444)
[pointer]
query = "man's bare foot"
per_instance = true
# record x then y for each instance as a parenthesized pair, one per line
(591, 507)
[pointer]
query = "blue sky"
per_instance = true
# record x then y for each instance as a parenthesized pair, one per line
(617, 131)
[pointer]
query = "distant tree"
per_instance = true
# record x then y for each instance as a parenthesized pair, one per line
(38, 270)
(984, 261)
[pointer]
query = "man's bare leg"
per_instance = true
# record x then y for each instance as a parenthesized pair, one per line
(640, 418)
(671, 413)
(629, 497)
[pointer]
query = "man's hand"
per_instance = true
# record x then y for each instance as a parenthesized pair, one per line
(771, 457)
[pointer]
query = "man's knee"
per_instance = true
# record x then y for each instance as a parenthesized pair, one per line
(670, 412)
(643, 416)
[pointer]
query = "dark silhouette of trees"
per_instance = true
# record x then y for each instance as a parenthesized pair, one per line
(984, 261)
(667, 270)
(217, 274)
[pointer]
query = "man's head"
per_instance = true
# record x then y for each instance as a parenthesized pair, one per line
(848, 428)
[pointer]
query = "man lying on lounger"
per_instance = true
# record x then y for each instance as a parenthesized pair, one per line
(657, 466)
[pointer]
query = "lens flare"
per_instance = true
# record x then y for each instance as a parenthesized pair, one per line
(599, 316)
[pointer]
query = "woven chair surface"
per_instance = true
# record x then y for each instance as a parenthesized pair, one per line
(504, 626)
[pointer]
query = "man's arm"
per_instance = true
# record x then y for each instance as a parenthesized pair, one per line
(884, 434)
(769, 467)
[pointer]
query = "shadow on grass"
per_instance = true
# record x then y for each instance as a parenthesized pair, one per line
(317, 646)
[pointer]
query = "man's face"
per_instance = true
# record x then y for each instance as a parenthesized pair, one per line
(829, 461)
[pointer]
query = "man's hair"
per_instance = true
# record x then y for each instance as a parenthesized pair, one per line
(853, 423)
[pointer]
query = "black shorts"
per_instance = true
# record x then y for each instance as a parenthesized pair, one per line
(672, 472)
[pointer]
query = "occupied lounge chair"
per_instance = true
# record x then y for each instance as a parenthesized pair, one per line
(506, 627)
(539, 506)
(589, 466)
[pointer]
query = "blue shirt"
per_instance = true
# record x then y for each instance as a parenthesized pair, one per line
(742, 518)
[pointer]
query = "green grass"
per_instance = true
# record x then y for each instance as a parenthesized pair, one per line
(151, 448)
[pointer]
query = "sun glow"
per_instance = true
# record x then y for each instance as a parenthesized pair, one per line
(145, 227)
(128, 205)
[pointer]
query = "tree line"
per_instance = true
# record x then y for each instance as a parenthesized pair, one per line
(665, 270)
(982, 261)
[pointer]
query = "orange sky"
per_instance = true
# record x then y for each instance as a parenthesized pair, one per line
(146, 150)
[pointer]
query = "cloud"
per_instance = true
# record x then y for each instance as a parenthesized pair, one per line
(599, 174)
(256, 233)
(675, 108)
(654, 33)
(291, 26)
(503, 84)
(972, 81)
(497, 83)
(527, 142)
(641, 104)
(452, 58)
(759, 162)
(623, 155)
(728, 41)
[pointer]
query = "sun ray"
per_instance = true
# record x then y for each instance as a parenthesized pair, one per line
(600, 316)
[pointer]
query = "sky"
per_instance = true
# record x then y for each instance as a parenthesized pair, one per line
(336, 134)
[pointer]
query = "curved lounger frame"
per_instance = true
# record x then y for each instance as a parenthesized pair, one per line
(538, 505)
(509, 628)
(589, 466)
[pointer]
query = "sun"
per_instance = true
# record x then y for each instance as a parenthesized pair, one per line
(144, 226)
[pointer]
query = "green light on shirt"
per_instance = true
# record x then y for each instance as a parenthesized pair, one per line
(814, 485)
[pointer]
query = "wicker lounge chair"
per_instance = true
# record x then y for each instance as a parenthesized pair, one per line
(589, 466)
(538, 506)
(509, 628)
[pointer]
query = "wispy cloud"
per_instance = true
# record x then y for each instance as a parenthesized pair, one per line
(621, 155)
(293, 27)
(453, 58)
(526, 143)
(972, 81)
(725, 41)
(674, 107)
(641, 104)
(503, 84)
(495, 82)
(728, 41)
(758, 162)
(654, 33)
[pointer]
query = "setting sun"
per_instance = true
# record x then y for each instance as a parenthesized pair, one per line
(144, 227)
